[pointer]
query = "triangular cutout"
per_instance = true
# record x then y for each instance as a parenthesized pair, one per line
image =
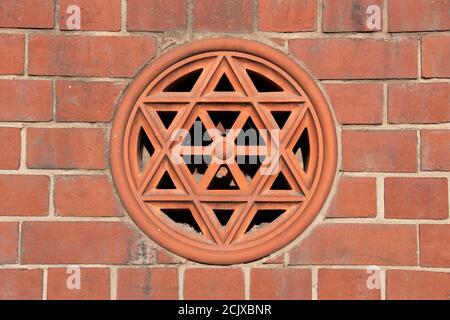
(280, 183)
(224, 85)
(223, 215)
(185, 83)
(262, 83)
(183, 217)
(166, 182)
(223, 180)
(249, 135)
(223, 120)
(263, 217)
(198, 135)
(249, 165)
(281, 117)
(145, 149)
(167, 117)
(302, 150)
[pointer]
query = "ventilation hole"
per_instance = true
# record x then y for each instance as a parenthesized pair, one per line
(167, 117)
(223, 180)
(249, 135)
(185, 83)
(224, 85)
(281, 183)
(263, 218)
(198, 136)
(263, 84)
(197, 165)
(302, 150)
(145, 150)
(183, 217)
(249, 165)
(223, 120)
(166, 182)
(281, 117)
(223, 215)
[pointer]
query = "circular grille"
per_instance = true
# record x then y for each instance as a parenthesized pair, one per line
(223, 151)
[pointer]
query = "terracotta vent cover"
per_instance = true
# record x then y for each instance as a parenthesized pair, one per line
(223, 151)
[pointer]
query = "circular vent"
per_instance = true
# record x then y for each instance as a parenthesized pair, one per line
(223, 151)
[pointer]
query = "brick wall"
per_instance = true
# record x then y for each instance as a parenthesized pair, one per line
(389, 90)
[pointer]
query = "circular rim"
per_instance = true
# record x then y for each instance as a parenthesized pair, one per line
(319, 103)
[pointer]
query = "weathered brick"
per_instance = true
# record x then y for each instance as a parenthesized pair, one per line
(434, 240)
(287, 15)
(416, 198)
(65, 148)
(26, 100)
(90, 101)
(90, 196)
(435, 150)
(352, 107)
(163, 257)
(358, 244)
(435, 53)
(96, 15)
(275, 284)
(147, 284)
(9, 241)
(212, 284)
(10, 148)
(419, 103)
(79, 242)
(418, 15)
(12, 53)
(355, 197)
(104, 56)
(94, 284)
(24, 195)
(346, 284)
(27, 14)
(223, 15)
(417, 285)
(348, 15)
(354, 58)
(376, 150)
(154, 15)
(20, 284)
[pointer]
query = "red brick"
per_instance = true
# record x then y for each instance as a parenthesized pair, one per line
(355, 197)
(376, 150)
(89, 196)
(435, 150)
(27, 14)
(418, 15)
(280, 284)
(435, 55)
(20, 284)
(407, 101)
(275, 259)
(94, 284)
(147, 284)
(416, 198)
(9, 239)
(79, 242)
(90, 101)
(12, 51)
(24, 195)
(10, 148)
(213, 284)
(352, 107)
(342, 284)
(223, 15)
(26, 100)
(358, 244)
(348, 15)
(104, 56)
(163, 257)
(417, 285)
(434, 240)
(155, 15)
(96, 15)
(65, 148)
(287, 15)
(345, 58)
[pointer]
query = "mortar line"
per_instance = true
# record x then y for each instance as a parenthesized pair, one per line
(380, 198)
(181, 275)
(419, 58)
(247, 284)
(385, 103)
(23, 148)
(26, 55)
(113, 283)
(386, 16)
(44, 283)
(123, 16)
(383, 283)
(319, 16)
(418, 243)
(315, 283)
